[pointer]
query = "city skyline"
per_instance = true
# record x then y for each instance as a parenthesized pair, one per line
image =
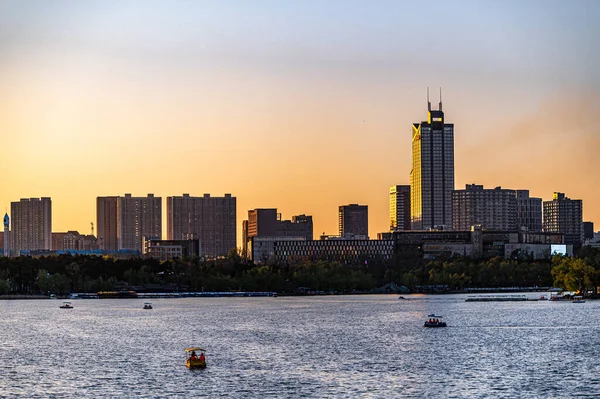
(92, 90)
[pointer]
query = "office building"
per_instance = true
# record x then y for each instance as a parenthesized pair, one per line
(212, 220)
(297, 249)
(399, 208)
(31, 225)
(353, 221)
(432, 174)
(170, 249)
(564, 215)
(267, 222)
(588, 230)
(529, 211)
(492, 209)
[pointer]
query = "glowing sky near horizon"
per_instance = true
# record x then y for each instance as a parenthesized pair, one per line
(303, 106)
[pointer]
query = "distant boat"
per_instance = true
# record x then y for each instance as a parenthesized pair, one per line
(578, 299)
(66, 305)
(401, 297)
(434, 321)
(147, 305)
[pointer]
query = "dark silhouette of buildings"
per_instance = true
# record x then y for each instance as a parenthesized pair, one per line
(353, 221)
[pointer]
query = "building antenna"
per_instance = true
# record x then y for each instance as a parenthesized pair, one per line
(428, 103)
(440, 98)
(92, 224)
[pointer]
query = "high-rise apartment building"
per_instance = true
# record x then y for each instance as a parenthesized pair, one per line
(400, 208)
(122, 222)
(529, 211)
(212, 220)
(493, 209)
(353, 221)
(564, 215)
(139, 217)
(432, 174)
(31, 224)
(106, 223)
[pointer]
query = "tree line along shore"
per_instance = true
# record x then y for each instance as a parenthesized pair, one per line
(65, 274)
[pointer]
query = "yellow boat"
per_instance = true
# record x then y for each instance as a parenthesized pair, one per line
(194, 360)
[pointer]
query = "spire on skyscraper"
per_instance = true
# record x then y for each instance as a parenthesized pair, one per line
(428, 103)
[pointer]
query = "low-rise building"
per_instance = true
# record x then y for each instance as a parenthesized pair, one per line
(348, 251)
(170, 249)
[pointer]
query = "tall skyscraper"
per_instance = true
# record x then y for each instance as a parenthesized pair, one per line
(353, 221)
(212, 220)
(6, 235)
(106, 223)
(564, 215)
(432, 174)
(399, 208)
(139, 217)
(529, 211)
(493, 209)
(31, 224)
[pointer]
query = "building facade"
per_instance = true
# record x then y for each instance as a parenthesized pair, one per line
(122, 222)
(297, 249)
(212, 220)
(6, 236)
(492, 209)
(138, 217)
(73, 241)
(31, 225)
(432, 174)
(564, 215)
(529, 211)
(106, 223)
(588, 230)
(170, 249)
(266, 222)
(400, 208)
(353, 221)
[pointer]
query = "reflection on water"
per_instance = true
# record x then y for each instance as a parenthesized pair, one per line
(342, 346)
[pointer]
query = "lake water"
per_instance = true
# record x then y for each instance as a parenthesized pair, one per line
(300, 347)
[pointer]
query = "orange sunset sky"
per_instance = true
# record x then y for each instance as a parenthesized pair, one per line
(302, 106)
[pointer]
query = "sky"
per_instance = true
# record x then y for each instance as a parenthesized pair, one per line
(298, 105)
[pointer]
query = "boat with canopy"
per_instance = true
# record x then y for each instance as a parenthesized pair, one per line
(195, 360)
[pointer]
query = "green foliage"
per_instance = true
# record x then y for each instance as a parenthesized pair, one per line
(576, 274)
(64, 274)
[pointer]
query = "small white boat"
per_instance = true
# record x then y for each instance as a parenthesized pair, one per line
(147, 305)
(66, 305)
(577, 299)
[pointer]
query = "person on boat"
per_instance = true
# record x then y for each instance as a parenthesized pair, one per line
(193, 357)
(202, 358)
